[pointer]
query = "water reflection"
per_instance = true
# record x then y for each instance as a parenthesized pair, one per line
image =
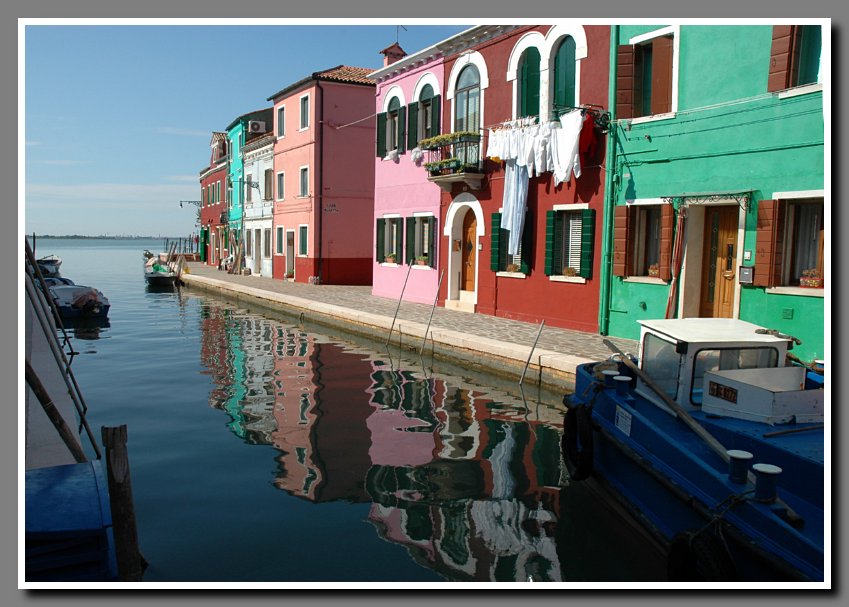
(85, 328)
(466, 479)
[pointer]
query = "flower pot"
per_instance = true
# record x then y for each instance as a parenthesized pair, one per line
(811, 283)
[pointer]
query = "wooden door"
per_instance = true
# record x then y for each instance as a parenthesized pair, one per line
(470, 228)
(719, 265)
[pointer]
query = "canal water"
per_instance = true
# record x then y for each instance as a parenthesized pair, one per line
(266, 451)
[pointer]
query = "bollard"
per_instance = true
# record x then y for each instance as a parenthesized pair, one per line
(609, 374)
(766, 480)
(622, 383)
(738, 465)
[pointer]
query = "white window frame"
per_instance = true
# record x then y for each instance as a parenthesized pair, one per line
(799, 195)
(568, 208)
(280, 184)
(304, 116)
(279, 245)
(419, 236)
(281, 124)
(387, 237)
(301, 170)
(675, 31)
(298, 253)
(476, 59)
(266, 243)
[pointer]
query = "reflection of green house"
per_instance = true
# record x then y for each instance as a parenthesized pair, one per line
(236, 361)
(716, 156)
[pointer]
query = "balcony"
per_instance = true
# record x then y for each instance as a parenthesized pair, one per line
(453, 158)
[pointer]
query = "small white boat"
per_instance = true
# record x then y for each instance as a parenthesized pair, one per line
(49, 265)
(157, 271)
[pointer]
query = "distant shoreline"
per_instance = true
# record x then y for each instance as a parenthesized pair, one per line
(80, 237)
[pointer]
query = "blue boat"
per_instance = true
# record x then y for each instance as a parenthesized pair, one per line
(714, 441)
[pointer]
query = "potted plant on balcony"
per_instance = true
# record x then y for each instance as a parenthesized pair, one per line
(811, 278)
(421, 260)
(654, 270)
(390, 258)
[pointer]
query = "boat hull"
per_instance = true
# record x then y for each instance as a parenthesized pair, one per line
(677, 487)
(159, 279)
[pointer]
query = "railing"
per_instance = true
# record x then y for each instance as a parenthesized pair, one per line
(453, 153)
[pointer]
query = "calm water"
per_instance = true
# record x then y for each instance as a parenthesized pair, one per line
(261, 450)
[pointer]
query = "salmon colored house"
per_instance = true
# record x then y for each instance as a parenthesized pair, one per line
(520, 168)
(324, 178)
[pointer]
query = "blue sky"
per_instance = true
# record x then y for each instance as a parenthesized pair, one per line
(118, 117)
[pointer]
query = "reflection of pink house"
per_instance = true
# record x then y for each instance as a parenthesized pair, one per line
(409, 92)
(324, 178)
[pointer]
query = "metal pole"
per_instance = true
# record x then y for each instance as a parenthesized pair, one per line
(531, 353)
(398, 307)
(435, 298)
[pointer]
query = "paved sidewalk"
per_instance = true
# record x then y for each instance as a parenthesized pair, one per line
(476, 338)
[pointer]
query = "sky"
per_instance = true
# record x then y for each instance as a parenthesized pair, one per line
(117, 118)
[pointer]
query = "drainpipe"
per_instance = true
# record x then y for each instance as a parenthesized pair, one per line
(609, 196)
(320, 195)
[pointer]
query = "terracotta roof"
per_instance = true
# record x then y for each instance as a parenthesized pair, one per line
(218, 136)
(258, 142)
(341, 73)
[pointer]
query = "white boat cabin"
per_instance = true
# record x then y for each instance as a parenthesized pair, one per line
(724, 366)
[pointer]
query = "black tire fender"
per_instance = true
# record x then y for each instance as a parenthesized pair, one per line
(577, 442)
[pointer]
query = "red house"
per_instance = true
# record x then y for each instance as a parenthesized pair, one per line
(213, 209)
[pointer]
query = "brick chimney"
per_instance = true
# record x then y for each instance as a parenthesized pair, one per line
(393, 53)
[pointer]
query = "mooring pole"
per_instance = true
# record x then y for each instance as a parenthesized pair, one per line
(531, 353)
(130, 560)
(398, 307)
(435, 298)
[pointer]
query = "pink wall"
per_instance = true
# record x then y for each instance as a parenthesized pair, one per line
(402, 187)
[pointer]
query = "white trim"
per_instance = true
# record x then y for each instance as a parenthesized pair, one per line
(511, 275)
(646, 201)
(800, 90)
(298, 246)
(563, 278)
(301, 112)
(664, 31)
(277, 186)
(416, 266)
(394, 91)
(277, 109)
(424, 80)
(300, 171)
(423, 214)
(570, 207)
(528, 40)
(280, 239)
(467, 199)
(798, 194)
(476, 59)
(652, 118)
(391, 216)
(803, 291)
(675, 31)
(649, 280)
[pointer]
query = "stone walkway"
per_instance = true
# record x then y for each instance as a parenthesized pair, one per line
(475, 337)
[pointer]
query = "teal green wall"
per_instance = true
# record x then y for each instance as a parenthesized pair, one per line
(237, 169)
(729, 134)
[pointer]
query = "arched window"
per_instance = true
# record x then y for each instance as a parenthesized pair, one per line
(564, 76)
(423, 118)
(467, 100)
(529, 83)
(392, 124)
(391, 128)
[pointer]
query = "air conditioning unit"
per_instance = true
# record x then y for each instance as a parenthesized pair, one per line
(256, 126)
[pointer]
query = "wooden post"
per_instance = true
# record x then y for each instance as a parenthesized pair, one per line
(130, 561)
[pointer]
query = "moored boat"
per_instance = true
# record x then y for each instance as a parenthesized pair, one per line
(49, 265)
(157, 271)
(714, 443)
(79, 301)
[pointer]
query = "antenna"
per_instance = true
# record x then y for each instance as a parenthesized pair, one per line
(397, 30)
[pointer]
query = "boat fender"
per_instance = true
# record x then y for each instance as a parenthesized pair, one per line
(577, 442)
(699, 556)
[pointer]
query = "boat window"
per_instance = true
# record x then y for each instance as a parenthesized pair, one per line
(728, 359)
(661, 363)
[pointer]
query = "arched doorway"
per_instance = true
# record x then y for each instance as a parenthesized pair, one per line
(464, 228)
(468, 253)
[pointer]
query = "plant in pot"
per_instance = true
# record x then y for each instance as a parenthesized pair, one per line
(569, 271)
(811, 278)
(513, 267)
(390, 258)
(654, 270)
(421, 260)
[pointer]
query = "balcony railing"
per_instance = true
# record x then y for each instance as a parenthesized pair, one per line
(453, 157)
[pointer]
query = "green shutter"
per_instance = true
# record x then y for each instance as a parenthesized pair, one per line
(411, 240)
(564, 75)
(402, 122)
(434, 116)
(530, 83)
(412, 125)
(431, 230)
(381, 236)
(399, 245)
(587, 229)
(495, 247)
(527, 230)
(381, 135)
(550, 220)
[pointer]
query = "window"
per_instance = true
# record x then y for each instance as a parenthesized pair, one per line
(564, 77)
(218, 191)
(423, 117)
(268, 188)
(500, 260)
(661, 363)
(279, 249)
(389, 239)
(281, 121)
(642, 240)
(391, 128)
(727, 359)
(467, 100)
(266, 243)
(790, 241)
(248, 241)
(302, 240)
(529, 83)
(569, 235)
(795, 56)
(644, 76)
(305, 182)
(203, 197)
(248, 182)
(305, 112)
(421, 239)
(281, 181)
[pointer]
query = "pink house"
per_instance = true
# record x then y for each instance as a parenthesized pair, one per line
(406, 204)
(324, 178)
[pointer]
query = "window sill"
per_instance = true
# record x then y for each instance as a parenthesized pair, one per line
(800, 90)
(573, 279)
(803, 291)
(417, 266)
(648, 280)
(653, 118)
(386, 264)
(511, 275)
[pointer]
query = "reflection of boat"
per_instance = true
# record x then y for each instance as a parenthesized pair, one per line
(49, 265)
(157, 271)
(657, 434)
(87, 327)
(79, 301)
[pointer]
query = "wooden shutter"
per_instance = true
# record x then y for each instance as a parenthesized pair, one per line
(621, 238)
(661, 75)
(402, 128)
(435, 116)
(431, 251)
(411, 239)
(412, 125)
(769, 248)
(784, 57)
(564, 75)
(667, 221)
(551, 264)
(529, 83)
(269, 184)
(380, 253)
(587, 242)
(495, 244)
(527, 245)
(625, 81)
(381, 135)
